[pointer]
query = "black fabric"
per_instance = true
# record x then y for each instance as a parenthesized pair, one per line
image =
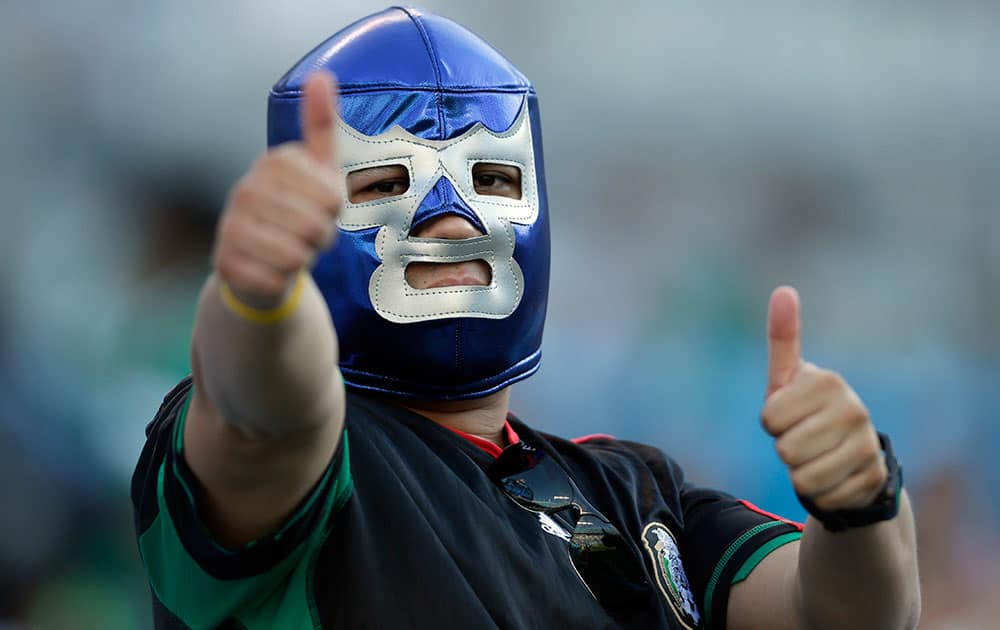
(712, 518)
(427, 540)
(163, 619)
(158, 433)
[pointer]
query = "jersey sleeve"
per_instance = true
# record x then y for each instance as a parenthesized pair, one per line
(724, 540)
(199, 583)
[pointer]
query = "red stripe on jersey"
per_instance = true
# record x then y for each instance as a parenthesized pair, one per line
(593, 436)
(493, 449)
(512, 436)
(754, 508)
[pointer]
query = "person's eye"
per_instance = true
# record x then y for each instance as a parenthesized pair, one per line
(500, 180)
(387, 187)
(489, 180)
(378, 182)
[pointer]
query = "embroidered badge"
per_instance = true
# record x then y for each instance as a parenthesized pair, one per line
(670, 576)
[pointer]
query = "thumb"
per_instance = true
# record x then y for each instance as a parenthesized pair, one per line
(319, 116)
(784, 338)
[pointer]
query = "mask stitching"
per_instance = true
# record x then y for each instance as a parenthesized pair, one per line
(373, 204)
(442, 170)
(480, 223)
(526, 200)
(486, 255)
(518, 292)
(435, 64)
(348, 168)
(518, 288)
(429, 144)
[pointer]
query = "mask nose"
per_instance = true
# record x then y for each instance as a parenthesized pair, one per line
(442, 200)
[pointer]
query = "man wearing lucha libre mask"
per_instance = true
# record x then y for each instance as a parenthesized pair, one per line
(343, 455)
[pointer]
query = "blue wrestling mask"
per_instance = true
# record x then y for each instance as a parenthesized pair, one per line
(421, 92)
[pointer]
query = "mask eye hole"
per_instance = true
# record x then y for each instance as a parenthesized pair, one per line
(377, 182)
(499, 180)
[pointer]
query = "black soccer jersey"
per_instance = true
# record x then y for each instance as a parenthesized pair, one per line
(407, 529)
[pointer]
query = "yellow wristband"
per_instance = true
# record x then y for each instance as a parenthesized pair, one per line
(264, 315)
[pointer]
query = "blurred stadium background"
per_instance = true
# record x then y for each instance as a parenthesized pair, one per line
(698, 155)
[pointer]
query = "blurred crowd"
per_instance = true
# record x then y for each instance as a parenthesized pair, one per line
(697, 156)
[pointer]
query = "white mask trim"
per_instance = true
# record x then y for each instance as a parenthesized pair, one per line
(426, 162)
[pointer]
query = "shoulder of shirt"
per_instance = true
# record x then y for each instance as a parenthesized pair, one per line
(601, 446)
(371, 414)
(371, 405)
(171, 403)
(606, 447)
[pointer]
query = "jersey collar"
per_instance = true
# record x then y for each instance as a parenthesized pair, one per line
(510, 435)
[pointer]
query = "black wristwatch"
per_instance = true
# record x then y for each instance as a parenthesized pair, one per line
(883, 508)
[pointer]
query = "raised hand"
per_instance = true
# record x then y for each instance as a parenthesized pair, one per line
(822, 429)
(283, 211)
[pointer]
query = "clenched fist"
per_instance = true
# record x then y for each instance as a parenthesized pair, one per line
(283, 211)
(822, 429)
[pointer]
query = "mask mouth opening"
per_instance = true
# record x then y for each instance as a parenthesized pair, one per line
(434, 275)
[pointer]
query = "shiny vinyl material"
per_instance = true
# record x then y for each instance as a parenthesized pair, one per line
(421, 91)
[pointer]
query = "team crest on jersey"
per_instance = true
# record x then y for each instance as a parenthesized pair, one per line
(670, 576)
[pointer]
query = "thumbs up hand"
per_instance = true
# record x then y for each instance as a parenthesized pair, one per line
(283, 211)
(822, 429)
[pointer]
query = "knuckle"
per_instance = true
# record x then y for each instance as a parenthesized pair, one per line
(803, 482)
(870, 485)
(265, 163)
(808, 369)
(276, 283)
(329, 233)
(298, 259)
(243, 194)
(287, 157)
(826, 502)
(270, 164)
(871, 451)
(873, 478)
(226, 266)
(332, 201)
(315, 231)
(769, 421)
(228, 228)
(856, 414)
(327, 240)
(785, 451)
(289, 259)
(829, 379)
(268, 285)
